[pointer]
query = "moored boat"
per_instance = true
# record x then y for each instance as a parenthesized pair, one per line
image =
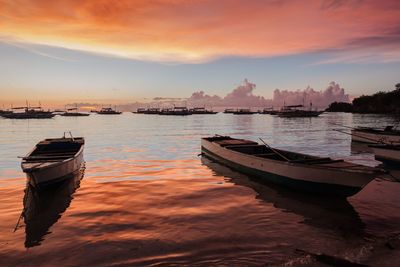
(202, 110)
(298, 111)
(389, 154)
(29, 113)
(298, 171)
(244, 111)
(177, 111)
(230, 110)
(53, 159)
(108, 111)
(388, 135)
(68, 113)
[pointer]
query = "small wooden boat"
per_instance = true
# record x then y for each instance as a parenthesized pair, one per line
(389, 135)
(298, 171)
(389, 154)
(52, 160)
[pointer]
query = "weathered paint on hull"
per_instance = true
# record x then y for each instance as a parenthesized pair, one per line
(53, 174)
(314, 187)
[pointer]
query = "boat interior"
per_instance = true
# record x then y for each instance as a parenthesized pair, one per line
(55, 149)
(263, 151)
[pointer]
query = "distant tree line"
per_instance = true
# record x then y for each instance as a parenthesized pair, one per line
(381, 102)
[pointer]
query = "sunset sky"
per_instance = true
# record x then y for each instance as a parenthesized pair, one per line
(103, 50)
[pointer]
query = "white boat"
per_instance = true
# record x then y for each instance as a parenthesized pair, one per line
(389, 154)
(298, 171)
(373, 136)
(53, 160)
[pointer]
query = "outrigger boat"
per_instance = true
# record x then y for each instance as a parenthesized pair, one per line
(68, 113)
(201, 110)
(53, 160)
(297, 111)
(29, 113)
(108, 111)
(177, 111)
(244, 111)
(388, 135)
(298, 171)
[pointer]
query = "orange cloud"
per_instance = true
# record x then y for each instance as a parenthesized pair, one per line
(198, 30)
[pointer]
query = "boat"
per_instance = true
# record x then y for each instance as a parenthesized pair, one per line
(320, 175)
(2, 112)
(29, 113)
(297, 111)
(140, 111)
(53, 159)
(202, 110)
(147, 111)
(177, 111)
(68, 113)
(269, 111)
(243, 111)
(388, 154)
(388, 135)
(108, 111)
(230, 110)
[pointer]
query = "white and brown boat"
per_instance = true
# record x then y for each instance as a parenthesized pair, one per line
(389, 135)
(298, 171)
(53, 160)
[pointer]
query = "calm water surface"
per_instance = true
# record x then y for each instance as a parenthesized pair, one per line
(146, 198)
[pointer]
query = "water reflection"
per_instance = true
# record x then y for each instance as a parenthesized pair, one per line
(43, 208)
(335, 214)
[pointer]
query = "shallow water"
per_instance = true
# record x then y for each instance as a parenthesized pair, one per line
(146, 198)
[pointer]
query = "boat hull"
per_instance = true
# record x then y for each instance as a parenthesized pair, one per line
(387, 155)
(42, 177)
(373, 138)
(316, 180)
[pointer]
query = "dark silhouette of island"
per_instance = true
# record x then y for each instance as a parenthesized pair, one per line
(379, 103)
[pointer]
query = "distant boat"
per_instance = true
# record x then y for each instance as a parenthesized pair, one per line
(297, 171)
(2, 112)
(230, 110)
(68, 113)
(244, 111)
(177, 111)
(52, 160)
(202, 110)
(147, 111)
(108, 111)
(269, 111)
(297, 111)
(389, 135)
(389, 154)
(29, 113)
